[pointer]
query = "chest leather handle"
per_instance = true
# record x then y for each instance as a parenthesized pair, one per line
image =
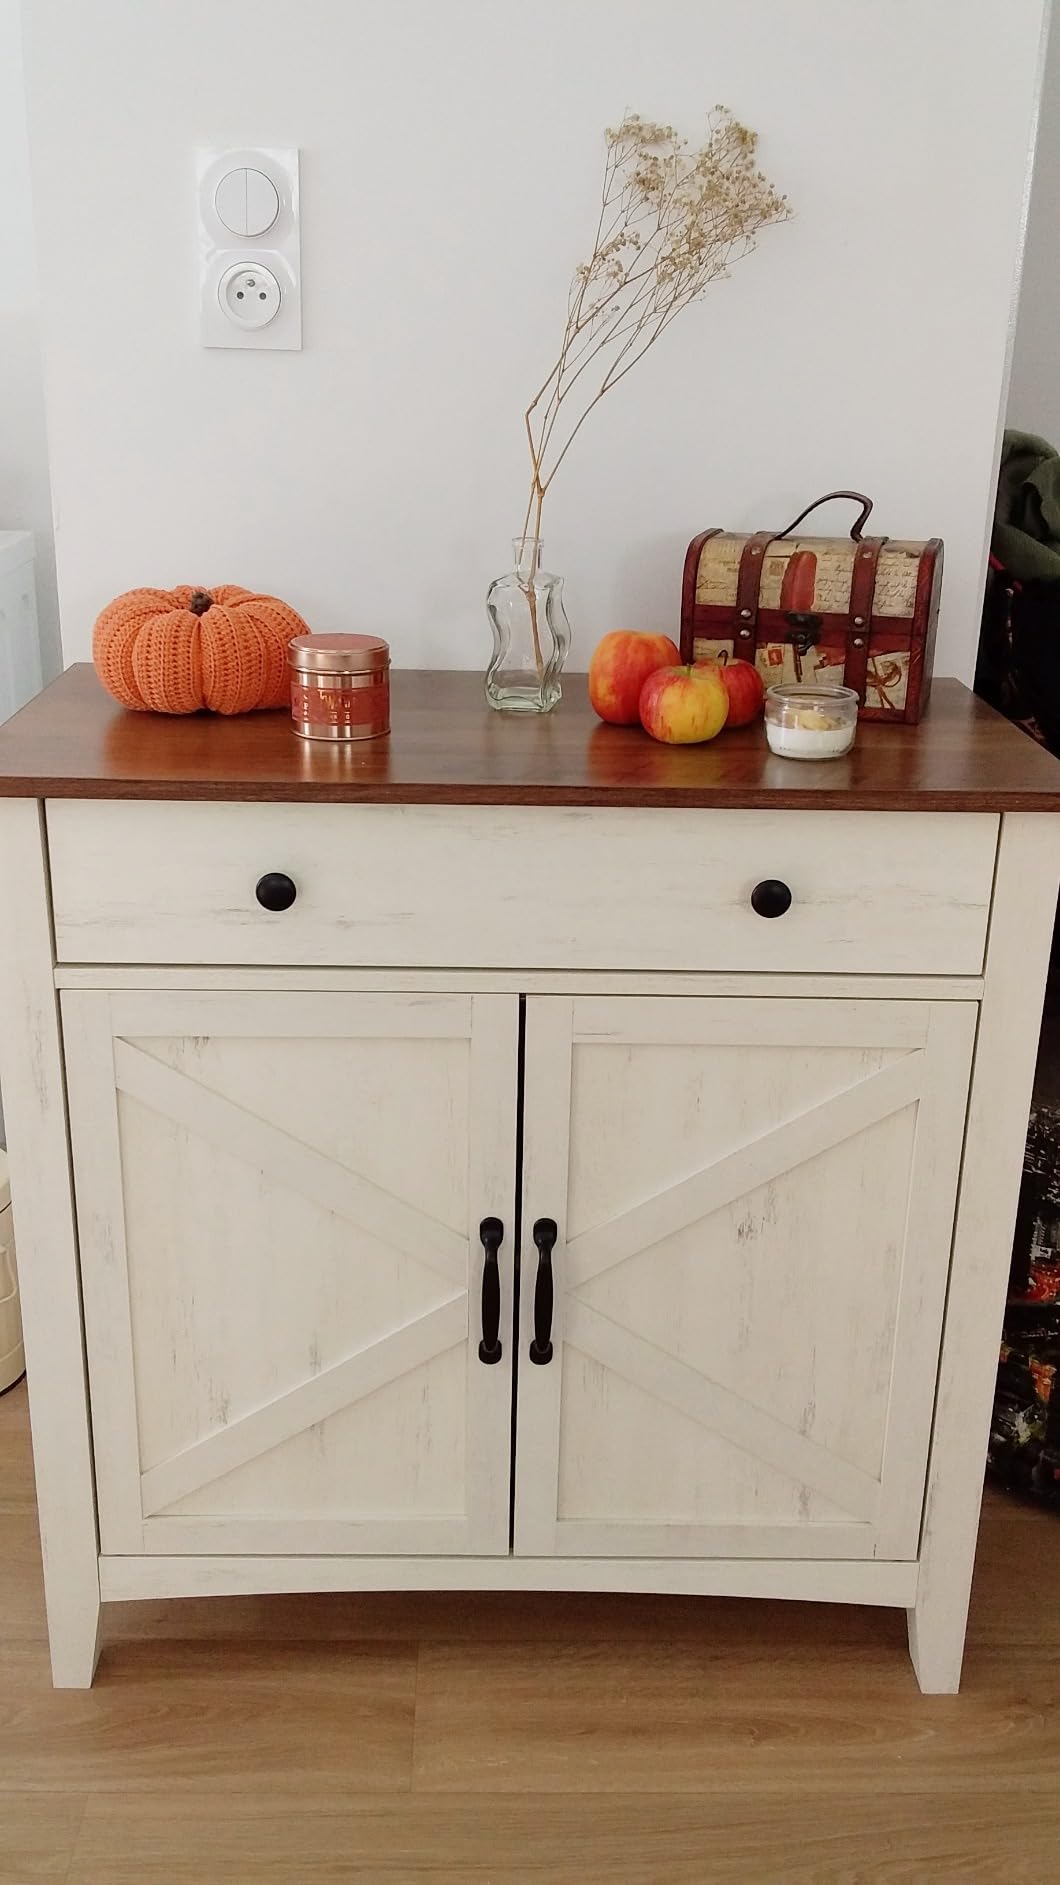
(856, 528)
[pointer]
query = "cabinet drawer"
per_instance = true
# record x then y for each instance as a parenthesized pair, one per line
(478, 887)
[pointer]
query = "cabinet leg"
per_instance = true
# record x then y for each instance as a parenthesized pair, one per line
(38, 1142)
(73, 1638)
(936, 1646)
(1017, 963)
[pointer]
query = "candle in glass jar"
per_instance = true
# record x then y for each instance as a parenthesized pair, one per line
(340, 686)
(810, 721)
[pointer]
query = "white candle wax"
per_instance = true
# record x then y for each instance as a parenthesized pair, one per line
(795, 742)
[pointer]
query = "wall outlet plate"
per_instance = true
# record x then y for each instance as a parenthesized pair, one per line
(250, 295)
(249, 231)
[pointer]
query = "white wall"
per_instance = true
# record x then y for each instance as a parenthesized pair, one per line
(1034, 394)
(25, 502)
(451, 151)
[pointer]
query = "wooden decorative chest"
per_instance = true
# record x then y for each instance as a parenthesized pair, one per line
(858, 610)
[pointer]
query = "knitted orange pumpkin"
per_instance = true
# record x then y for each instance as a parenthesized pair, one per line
(178, 650)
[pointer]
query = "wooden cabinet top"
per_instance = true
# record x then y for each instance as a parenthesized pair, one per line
(448, 748)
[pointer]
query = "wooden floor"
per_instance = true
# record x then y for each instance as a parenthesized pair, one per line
(560, 1741)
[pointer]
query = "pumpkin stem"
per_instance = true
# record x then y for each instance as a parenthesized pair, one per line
(200, 602)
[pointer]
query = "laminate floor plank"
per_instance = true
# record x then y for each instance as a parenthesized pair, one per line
(545, 1739)
(807, 1717)
(34, 1843)
(277, 1720)
(17, 1491)
(588, 1840)
(22, 1616)
(1016, 1595)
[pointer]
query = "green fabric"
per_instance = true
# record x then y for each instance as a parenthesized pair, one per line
(1027, 517)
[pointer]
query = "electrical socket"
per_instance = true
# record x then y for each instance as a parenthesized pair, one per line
(249, 294)
(232, 312)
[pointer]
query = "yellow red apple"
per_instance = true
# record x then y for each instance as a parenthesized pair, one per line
(746, 690)
(621, 664)
(684, 705)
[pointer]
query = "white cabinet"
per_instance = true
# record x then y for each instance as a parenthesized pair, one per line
(285, 1202)
(280, 1200)
(753, 1202)
(522, 1064)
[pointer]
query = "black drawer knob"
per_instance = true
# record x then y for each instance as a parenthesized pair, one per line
(770, 897)
(275, 891)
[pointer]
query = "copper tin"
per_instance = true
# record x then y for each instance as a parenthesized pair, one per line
(340, 686)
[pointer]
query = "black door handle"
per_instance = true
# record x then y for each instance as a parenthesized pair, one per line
(491, 1232)
(545, 1234)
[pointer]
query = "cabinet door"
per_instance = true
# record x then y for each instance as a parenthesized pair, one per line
(279, 1199)
(754, 1202)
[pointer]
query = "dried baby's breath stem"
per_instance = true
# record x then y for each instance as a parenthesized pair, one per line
(529, 582)
(671, 222)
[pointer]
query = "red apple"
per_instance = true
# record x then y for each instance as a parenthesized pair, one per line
(746, 690)
(683, 706)
(621, 664)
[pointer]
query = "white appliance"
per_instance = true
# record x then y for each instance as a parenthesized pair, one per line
(20, 679)
(20, 669)
(12, 1353)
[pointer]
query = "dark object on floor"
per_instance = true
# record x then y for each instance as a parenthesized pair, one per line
(1018, 672)
(1024, 1452)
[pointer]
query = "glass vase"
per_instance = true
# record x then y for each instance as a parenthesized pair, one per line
(531, 634)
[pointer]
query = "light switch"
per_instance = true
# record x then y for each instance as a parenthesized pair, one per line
(250, 269)
(246, 201)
